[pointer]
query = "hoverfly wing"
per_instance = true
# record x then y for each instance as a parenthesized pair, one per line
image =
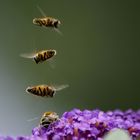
(60, 87)
(55, 30)
(33, 119)
(28, 55)
(51, 63)
(41, 11)
(58, 31)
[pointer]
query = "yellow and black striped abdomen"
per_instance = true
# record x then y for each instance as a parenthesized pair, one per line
(44, 55)
(43, 91)
(41, 21)
(47, 22)
(40, 57)
(45, 122)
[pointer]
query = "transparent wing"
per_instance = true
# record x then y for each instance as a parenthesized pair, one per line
(58, 31)
(33, 119)
(60, 87)
(51, 63)
(41, 11)
(54, 29)
(28, 55)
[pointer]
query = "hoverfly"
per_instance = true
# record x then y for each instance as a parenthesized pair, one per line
(48, 118)
(46, 21)
(40, 56)
(44, 90)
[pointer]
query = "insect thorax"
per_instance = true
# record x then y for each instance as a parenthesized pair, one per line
(48, 119)
(50, 92)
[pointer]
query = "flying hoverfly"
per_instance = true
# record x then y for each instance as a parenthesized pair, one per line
(47, 21)
(48, 118)
(40, 56)
(45, 90)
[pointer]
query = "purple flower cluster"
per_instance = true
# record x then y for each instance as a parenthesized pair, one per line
(86, 125)
(90, 125)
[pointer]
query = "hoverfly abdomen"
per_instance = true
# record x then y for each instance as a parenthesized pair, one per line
(44, 123)
(47, 22)
(44, 22)
(36, 60)
(40, 56)
(29, 90)
(48, 91)
(44, 55)
(41, 91)
(32, 90)
(44, 90)
(37, 21)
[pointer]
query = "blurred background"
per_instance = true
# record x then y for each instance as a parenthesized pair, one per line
(98, 55)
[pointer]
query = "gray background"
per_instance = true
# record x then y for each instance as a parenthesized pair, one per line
(98, 56)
